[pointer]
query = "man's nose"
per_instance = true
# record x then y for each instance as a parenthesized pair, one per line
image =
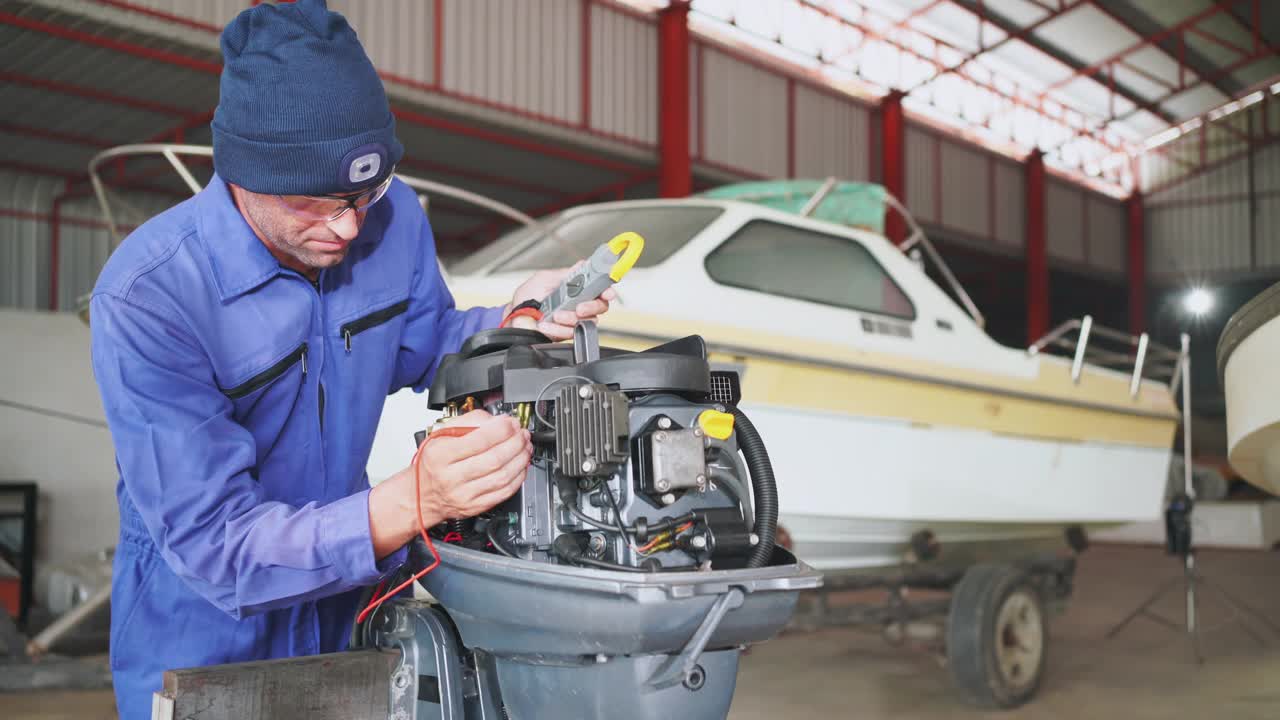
(347, 227)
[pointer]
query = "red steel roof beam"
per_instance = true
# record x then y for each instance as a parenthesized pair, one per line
(532, 146)
(1221, 42)
(142, 51)
(1037, 254)
(675, 166)
(1012, 98)
(1019, 35)
(905, 23)
(92, 94)
(54, 135)
(160, 15)
(1147, 106)
(35, 169)
(1150, 40)
(893, 158)
(177, 132)
(1022, 35)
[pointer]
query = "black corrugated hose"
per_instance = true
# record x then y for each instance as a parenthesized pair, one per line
(763, 487)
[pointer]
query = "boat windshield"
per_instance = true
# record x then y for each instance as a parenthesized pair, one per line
(665, 228)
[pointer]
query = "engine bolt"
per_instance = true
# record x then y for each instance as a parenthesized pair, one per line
(755, 539)
(697, 432)
(664, 422)
(698, 541)
(701, 480)
(668, 499)
(597, 544)
(660, 437)
(588, 465)
(663, 485)
(584, 391)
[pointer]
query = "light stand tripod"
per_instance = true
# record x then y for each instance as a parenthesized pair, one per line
(1178, 541)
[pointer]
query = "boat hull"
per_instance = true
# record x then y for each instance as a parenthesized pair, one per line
(1247, 356)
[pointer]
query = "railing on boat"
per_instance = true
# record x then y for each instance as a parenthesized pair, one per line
(1138, 354)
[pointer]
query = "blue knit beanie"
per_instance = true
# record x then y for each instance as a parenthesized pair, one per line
(301, 110)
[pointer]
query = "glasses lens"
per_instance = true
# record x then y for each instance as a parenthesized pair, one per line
(365, 199)
(314, 209)
(330, 208)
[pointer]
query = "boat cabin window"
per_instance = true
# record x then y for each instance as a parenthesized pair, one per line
(665, 229)
(794, 262)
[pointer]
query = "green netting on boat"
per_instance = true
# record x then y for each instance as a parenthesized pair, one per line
(857, 204)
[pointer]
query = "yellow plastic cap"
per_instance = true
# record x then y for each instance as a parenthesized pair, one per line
(716, 424)
(628, 245)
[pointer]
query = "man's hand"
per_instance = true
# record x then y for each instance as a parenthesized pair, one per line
(460, 477)
(560, 325)
(465, 476)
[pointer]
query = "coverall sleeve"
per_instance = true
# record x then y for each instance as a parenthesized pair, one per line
(187, 466)
(434, 326)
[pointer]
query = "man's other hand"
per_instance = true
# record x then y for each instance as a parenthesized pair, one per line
(560, 325)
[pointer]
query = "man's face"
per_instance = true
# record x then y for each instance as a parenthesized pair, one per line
(298, 242)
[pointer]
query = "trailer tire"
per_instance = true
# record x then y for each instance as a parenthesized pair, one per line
(997, 636)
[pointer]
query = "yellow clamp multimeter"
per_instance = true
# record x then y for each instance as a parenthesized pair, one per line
(605, 267)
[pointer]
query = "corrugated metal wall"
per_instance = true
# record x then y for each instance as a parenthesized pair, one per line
(1204, 215)
(1010, 204)
(963, 192)
(1266, 174)
(526, 56)
(1209, 143)
(922, 174)
(624, 75)
(26, 230)
(24, 239)
(831, 136)
(1198, 239)
(398, 34)
(1106, 233)
(745, 111)
(1201, 223)
(966, 192)
(1064, 221)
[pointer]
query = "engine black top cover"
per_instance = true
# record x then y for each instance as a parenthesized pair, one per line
(526, 367)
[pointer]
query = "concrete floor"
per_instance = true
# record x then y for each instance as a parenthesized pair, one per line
(1147, 672)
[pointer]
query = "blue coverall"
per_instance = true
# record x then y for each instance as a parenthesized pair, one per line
(242, 401)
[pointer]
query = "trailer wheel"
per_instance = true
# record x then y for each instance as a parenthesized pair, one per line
(997, 636)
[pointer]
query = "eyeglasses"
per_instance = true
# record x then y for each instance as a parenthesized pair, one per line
(328, 208)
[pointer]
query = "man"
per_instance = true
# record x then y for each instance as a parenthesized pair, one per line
(244, 342)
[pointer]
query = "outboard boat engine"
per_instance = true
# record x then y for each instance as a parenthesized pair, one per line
(633, 566)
